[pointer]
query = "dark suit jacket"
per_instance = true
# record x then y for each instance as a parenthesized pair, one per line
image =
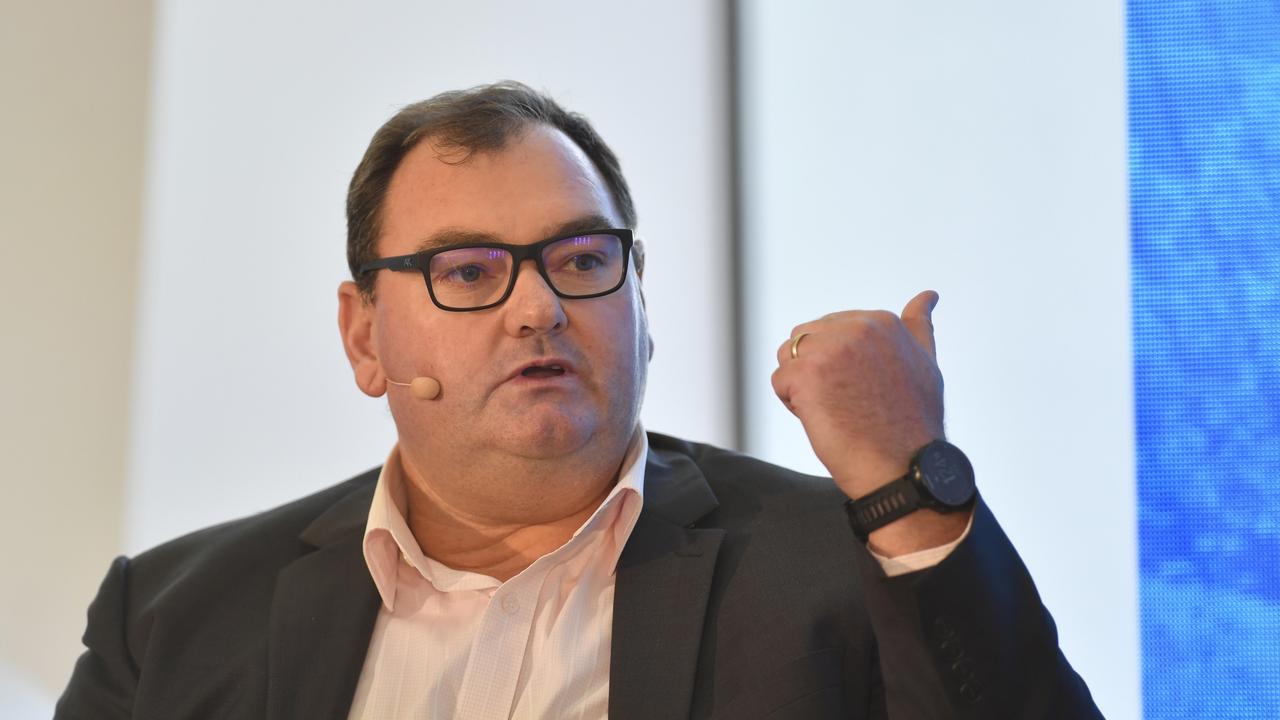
(741, 593)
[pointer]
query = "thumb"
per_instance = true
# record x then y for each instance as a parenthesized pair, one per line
(918, 317)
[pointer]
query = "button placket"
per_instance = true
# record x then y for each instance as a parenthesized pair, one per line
(510, 604)
(498, 651)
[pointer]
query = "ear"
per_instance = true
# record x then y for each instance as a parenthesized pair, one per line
(637, 262)
(637, 257)
(637, 254)
(357, 322)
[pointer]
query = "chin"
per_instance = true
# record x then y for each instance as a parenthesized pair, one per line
(544, 433)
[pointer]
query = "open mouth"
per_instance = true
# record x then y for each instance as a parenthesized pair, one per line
(542, 371)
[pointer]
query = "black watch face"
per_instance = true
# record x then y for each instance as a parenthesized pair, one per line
(946, 474)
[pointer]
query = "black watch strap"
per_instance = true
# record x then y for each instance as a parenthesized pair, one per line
(872, 512)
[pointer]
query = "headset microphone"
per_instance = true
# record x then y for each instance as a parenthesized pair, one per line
(423, 388)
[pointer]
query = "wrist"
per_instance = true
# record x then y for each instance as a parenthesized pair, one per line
(868, 472)
(939, 479)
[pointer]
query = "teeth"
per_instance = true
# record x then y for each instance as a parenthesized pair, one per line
(556, 367)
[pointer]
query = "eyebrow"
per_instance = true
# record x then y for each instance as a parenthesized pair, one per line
(460, 236)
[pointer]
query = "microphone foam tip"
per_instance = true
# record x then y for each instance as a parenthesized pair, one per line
(425, 388)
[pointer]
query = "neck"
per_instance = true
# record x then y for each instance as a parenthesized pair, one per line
(497, 517)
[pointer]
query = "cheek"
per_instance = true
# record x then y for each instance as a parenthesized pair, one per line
(628, 332)
(407, 336)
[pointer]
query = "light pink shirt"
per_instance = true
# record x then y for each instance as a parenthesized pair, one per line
(454, 644)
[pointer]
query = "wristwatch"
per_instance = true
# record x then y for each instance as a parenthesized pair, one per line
(940, 478)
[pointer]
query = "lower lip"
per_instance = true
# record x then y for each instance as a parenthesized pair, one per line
(541, 379)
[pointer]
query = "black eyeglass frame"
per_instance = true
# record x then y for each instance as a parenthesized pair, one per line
(519, 253)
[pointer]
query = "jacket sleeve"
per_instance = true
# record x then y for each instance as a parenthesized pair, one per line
(105, 677)
(969, 637)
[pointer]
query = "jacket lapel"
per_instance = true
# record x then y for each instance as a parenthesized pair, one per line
(322, 616)
(660, 598)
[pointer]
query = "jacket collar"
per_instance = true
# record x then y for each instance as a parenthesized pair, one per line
(322, 615)
(663, 583)
(346, 516)
(675, 490)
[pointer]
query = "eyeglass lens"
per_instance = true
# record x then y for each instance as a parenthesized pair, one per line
(471, 277)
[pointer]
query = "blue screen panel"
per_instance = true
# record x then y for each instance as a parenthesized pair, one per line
(1204, 103)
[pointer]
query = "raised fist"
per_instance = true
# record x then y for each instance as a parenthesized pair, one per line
(866, 387)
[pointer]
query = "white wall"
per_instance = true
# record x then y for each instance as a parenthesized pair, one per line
(261, 111)
(978, 149)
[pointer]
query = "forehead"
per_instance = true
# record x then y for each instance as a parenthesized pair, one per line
(538, 182)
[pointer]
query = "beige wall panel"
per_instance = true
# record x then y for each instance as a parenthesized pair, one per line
(74, 82)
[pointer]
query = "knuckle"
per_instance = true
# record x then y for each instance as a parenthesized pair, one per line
(883, 317)
(862, 327)
(878, 323)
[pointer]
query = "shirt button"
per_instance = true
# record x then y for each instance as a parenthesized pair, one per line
(510, 604)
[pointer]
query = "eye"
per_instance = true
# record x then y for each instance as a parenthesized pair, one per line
(465, 274)
(468, 273)
(585, 262)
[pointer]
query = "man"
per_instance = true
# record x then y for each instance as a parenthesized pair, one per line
(527, 550)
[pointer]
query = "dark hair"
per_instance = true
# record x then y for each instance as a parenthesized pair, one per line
(479, 119)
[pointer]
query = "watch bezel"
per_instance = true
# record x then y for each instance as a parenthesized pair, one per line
(936, 461)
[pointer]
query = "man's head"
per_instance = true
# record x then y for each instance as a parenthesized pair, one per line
(461, 123)
(521, 171)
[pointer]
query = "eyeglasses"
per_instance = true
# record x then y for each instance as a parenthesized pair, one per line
(481, 275)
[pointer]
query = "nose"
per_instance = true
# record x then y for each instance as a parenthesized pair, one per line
(533, 308)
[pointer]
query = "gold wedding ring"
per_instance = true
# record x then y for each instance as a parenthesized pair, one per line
(795, 345)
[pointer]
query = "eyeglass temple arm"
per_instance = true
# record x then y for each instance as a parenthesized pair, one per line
(398, 263)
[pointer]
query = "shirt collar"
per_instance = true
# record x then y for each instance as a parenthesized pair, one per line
(388, 540)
